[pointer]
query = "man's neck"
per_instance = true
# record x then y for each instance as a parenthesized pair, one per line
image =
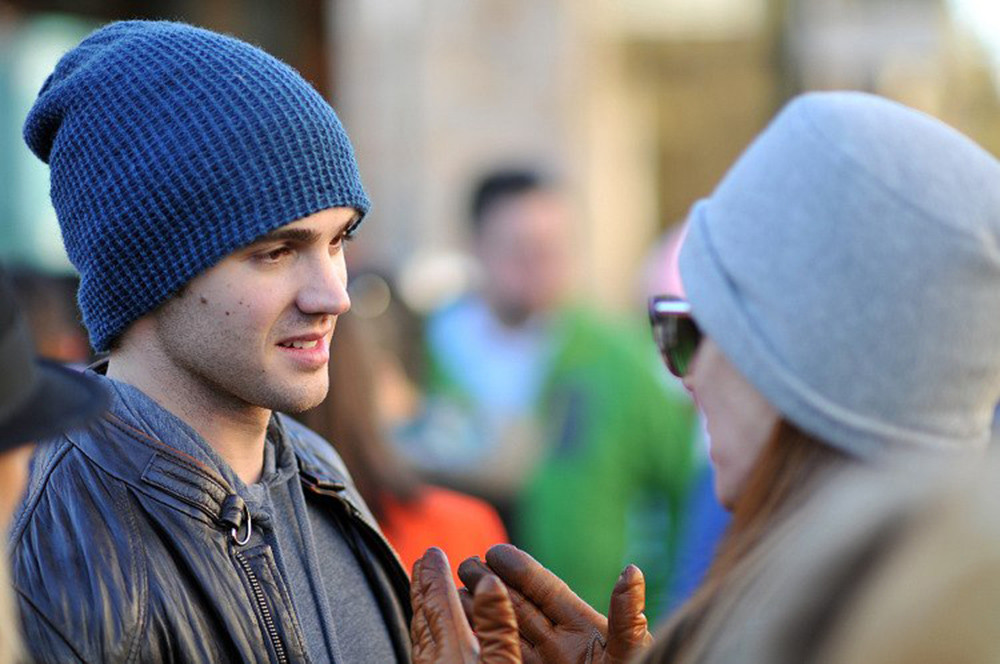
(235, 430)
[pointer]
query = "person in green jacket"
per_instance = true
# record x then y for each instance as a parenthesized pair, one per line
(582, 445)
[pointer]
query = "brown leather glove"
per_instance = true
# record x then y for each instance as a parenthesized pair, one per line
(440, 632)
(555, 625)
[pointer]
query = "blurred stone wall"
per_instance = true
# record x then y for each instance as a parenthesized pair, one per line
(435, 91)
(640, 104)
(913, 51)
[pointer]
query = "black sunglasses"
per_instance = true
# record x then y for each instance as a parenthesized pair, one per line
(675, 332)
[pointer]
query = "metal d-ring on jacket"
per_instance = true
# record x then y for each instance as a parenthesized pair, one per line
(155, 559)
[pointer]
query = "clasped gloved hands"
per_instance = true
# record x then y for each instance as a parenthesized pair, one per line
(555, 625)
(552, 624)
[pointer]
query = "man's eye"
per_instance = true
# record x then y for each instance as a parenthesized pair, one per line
(342, 239)
(274, 255)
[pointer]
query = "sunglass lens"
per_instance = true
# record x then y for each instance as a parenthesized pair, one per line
(676, 333)
(685, 339)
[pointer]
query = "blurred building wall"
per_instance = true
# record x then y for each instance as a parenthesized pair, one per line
(434, 92)
(913, 51)
(638, 105)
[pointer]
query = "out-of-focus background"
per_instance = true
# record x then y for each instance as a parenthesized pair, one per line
(562, 419)
(639, 104)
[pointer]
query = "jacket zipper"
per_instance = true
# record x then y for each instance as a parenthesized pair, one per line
(265, 610)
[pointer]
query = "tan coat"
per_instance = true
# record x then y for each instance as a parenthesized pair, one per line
(878, 567)
(10, 630)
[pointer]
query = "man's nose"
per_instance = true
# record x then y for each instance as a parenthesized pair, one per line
(324, 289)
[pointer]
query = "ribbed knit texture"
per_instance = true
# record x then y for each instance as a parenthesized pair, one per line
(849, 266)
(171, 146)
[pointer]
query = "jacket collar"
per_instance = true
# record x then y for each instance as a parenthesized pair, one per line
(144, 445)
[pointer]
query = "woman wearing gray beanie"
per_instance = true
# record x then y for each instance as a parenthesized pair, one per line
(843, 290)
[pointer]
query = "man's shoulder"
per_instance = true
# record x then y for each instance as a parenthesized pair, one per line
(62, 475)
(69, 502)
(73, 545)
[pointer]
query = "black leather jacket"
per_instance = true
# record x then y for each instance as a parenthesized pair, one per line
(127, 550)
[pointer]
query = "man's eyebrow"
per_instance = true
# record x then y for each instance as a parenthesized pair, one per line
(302, 235)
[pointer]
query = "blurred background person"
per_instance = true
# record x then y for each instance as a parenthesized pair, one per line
(413, 515)
(38, 399)
(586, 451)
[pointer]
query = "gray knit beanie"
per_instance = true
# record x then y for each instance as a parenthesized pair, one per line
(170, 147)
(849, 266)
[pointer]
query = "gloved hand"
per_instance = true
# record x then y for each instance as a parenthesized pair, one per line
(555, 625)
(440, 633)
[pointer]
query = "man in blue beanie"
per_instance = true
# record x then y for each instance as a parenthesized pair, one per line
(205, 192)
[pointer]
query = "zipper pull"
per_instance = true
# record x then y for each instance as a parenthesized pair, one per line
(234, 508)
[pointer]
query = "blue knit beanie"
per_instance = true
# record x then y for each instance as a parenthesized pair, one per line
(170, 147)
(849, 266)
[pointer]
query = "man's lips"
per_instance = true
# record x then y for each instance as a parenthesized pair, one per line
(305, 341)
(312, 351)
